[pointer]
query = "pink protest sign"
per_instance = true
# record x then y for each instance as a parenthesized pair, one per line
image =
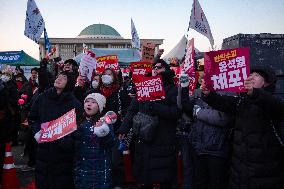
(149, 88)
(59, 127)
(226, 70)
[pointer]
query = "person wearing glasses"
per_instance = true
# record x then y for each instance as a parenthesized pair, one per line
(155, 160)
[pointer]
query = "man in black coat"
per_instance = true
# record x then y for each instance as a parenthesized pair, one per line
(54, 163)
(257, 157)
(155, 161)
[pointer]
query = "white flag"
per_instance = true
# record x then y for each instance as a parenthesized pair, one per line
(85, 48)
(199, 22)
(135, 41)
(34, 22)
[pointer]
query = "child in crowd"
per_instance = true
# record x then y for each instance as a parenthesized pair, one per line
(93, 144)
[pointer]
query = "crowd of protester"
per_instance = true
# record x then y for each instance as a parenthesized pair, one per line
(224, 140)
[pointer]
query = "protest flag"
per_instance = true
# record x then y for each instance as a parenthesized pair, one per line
(34, 24)
(135, 41)
(47, 44)
(85, 48)
(199, 23)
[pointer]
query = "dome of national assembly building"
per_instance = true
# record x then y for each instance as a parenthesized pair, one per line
(95, 36)
(99, 31)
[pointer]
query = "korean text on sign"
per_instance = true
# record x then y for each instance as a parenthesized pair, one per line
(226, 70)
(188, 66)
(149, 88)
(148, 51)
(59, 127)
(140, 68)
(108, 61)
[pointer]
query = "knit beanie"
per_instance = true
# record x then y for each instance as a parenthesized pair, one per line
(100, 99)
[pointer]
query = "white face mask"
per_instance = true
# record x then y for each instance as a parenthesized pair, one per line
(95, 84)
(107, 79)
(5, 78)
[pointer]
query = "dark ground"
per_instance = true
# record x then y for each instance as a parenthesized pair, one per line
(26, 177)
(20, 161)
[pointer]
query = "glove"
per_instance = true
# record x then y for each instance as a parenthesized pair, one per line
(196, 109)
(101, 131)
(37, 136)
(184, 80)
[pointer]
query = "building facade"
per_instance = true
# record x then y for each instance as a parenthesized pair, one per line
(93, 36)
(266, 49)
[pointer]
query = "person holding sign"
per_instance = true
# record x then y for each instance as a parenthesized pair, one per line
(257, 157)
(155, 156)
(208, 138)
(93, 147)
(54, 161)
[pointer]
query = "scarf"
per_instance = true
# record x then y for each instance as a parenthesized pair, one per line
(109, 90)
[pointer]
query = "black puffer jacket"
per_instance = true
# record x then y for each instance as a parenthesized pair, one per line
(210, 130)
(156, 161)
(54, 163)
(6, 117)
(257, 159)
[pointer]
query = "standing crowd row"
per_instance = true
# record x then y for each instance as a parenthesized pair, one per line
(225, 140)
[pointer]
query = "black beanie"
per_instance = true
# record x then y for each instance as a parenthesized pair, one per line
(267, 73)
(71, 81)
(71, 61)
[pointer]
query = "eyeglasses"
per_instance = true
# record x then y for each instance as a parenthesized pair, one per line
(157, 67)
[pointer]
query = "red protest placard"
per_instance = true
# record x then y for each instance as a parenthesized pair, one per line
(108, 61)
(59, 127)
(226, 70)
(177, 71)
(140, 69)
(149, 88)
(188, 66)
(148, 51)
